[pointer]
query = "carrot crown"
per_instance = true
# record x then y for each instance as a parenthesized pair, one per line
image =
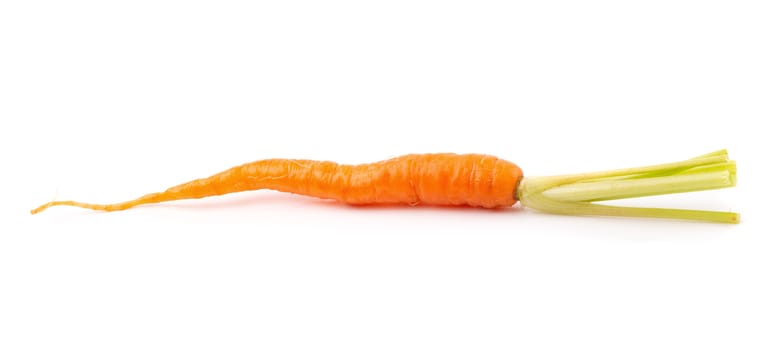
(574, 194)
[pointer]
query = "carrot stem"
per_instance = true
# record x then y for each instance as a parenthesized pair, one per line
(574, 194)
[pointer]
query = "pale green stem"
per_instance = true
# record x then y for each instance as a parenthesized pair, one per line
(618, 189)
(573, 194)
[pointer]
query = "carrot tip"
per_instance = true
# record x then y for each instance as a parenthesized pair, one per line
(40, 209)
(49, 205)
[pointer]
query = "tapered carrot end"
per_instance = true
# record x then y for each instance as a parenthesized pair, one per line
(146, 199)
(41, 208)
(54, 203)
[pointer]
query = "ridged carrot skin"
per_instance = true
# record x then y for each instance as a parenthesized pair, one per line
(437, 179)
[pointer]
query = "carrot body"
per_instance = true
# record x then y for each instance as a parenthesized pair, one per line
(437, 179)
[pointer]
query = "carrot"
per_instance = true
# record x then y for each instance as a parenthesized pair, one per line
(438, 179)
(455, 180)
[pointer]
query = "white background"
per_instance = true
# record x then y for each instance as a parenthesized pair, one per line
(104, 101)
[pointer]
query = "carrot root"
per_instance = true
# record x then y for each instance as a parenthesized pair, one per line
(147, 199)
(437, 179)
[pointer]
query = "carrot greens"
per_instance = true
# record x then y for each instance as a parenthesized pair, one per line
(575, 194)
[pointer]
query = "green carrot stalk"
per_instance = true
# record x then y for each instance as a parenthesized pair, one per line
(574, 194)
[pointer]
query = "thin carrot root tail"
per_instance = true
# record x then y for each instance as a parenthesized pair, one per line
(575, 194)
(188, 190)
(148, 199)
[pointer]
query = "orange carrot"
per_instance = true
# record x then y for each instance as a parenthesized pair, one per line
(471, 179)
(439, 179)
